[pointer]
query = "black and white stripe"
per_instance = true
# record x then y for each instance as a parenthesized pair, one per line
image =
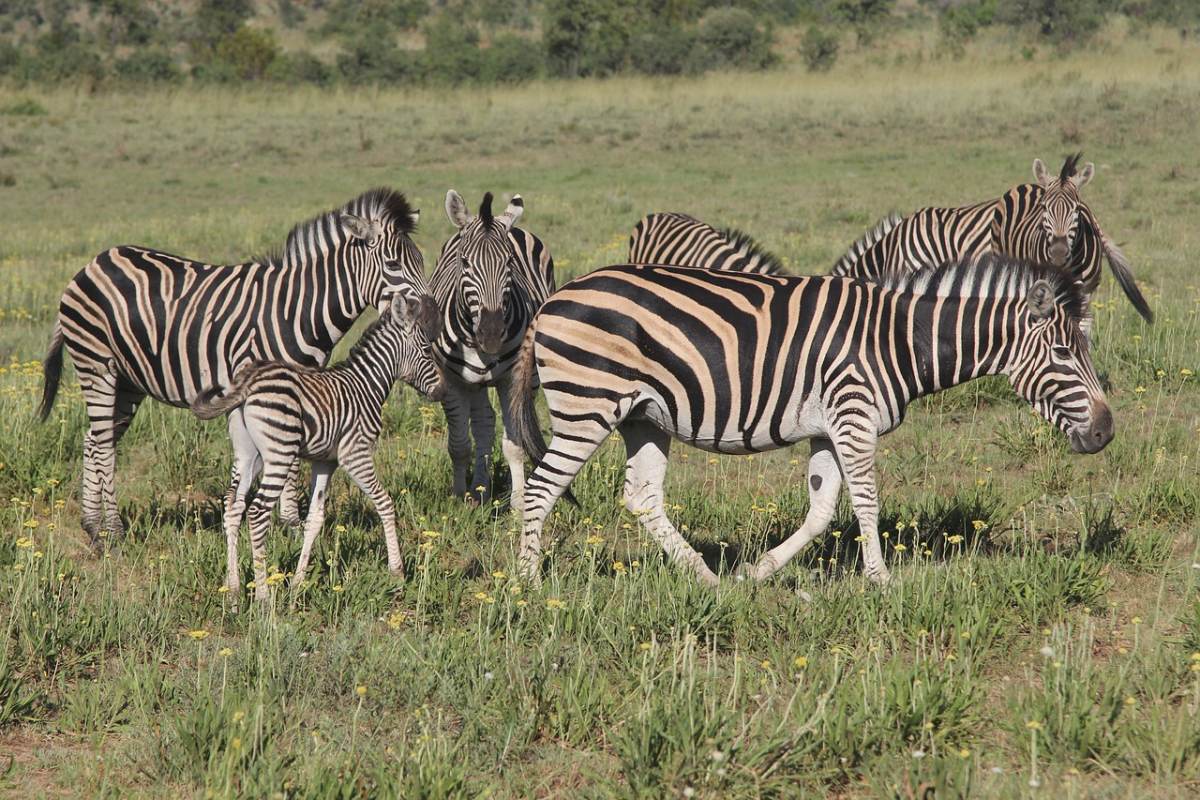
(1044, 222)
(490, 279)
(143, 323)
(678, 240)
(282, 413)
(740, 363)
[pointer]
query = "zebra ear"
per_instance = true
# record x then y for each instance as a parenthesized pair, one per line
(516, 207)
(456, 209)
(1040, 300)
(1084, 176)
(404, 306)
(1039, 172)
(368, 230)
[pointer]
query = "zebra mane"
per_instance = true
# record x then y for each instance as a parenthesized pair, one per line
(991, 275)
(747, 244)
(485, 210)
(384, 204)
(1069, 167)
(865, 243)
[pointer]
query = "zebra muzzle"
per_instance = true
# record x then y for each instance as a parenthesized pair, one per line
(489, 332)
(1096, 436)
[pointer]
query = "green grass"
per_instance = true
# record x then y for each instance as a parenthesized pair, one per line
(1052, 640)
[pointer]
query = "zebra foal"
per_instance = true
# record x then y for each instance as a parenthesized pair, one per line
(281, 413)
(490, 279)
(740, 363)
(142, 323)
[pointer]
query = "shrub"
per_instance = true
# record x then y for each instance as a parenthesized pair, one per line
(452, 53)
(376, 59)
(512, 59)
(248, 52)
(669, 50)
(300, 67)
(354, 18)
(1061, 21)
(819, 48)
(732, 37)
(147, 66)
(586, 37)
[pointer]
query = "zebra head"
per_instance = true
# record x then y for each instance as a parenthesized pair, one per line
(1059, 206)
(1053, 366)
(378, 228)
(414, 358)
(485, 256)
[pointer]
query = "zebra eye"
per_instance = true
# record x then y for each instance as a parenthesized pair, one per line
(1062, 353)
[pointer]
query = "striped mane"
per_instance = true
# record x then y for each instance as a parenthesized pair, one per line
(865, 243)
(991, 275)
(745, 243)
(387, 205)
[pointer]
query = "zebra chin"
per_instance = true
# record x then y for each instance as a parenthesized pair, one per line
(1094, 437)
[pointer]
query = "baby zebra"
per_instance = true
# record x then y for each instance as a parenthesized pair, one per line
(283, 412)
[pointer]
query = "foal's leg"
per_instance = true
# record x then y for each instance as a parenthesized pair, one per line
(289, 504)
(361, 469)
(646, 448)
(321, 470)
(246, 466)
(824, 483)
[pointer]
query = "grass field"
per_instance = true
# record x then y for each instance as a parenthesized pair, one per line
(1042, 637)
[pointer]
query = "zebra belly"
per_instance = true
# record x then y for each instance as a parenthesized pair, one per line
(808, 420)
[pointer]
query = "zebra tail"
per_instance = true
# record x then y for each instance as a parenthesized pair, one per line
(527, 432)
(1123, 272)
(51, 371)
(210, 404)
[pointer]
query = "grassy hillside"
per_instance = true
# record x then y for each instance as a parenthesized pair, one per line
(1039, 638)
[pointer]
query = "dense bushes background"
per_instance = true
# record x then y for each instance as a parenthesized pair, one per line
(456, 41)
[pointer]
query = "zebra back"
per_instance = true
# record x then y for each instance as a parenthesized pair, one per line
(675, 239)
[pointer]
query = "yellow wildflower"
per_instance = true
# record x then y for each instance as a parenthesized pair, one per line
(225, 651)
(337, 587)
(1034, 725)
(554, 603)
(360, 690)
(618, 566)
(24, 542)
(396, 619)
(199, 634)
(800, 662)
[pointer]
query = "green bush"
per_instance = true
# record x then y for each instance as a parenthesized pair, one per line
(512, 59)
(819, 48)
(669, 50)
(149, 66)
(452, 53)
(731, 37)
(376, 59)
(249, 52)
(1060, 21)
(300, 67)
(355, 17)
(587, 37)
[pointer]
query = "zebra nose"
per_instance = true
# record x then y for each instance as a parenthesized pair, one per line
(489, 333)
(1102, 429)
(1058, 251)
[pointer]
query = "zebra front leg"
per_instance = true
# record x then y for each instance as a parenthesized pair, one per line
(321, 470)
(514, 454)
(646, 449)
(483, 432)
(569, 450)
(361, 469)
(855, 448)
(458, 441)
(824, 484)
(91, 505)
(274, 476)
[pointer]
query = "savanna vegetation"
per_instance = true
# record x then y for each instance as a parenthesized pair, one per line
(1042, 637)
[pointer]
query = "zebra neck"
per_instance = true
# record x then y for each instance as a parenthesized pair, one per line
(375, 359)
(958, 339)
(325, 297)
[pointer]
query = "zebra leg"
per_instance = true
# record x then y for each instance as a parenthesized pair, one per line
(246, 466)
(572, 445)
(458, 441)
(275, 474)
(321, 470)
(89, 494)
(824, 484)
(483, 432)
(98, 498)
(361, 469)
(855, 448)
(126, 407)
(289, 503)
(514, 454)
(646, 449)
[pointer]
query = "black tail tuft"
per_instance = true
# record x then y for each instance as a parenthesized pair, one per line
(51, 372)
(526, 430)
(1123, 272)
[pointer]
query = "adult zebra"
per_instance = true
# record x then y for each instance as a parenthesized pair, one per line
(738, 363)
(1044, 222)
(679, 240)
(139, 322)
(490, 279)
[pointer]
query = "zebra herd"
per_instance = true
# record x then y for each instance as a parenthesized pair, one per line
(701, 336)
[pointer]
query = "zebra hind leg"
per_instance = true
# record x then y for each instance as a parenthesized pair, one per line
(483, 431)
(514, 454)
(824, 485)
(321, 470)
(289, 499)
(98, 499)
(855, 448)
(246, 465)
(361, 469)
(646, 448)
(458, 440)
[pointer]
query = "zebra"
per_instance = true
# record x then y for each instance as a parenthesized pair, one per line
(742, 363)
(679, 240)
(490, 279)
(143, 323)
(1044, 221)
(280, 413)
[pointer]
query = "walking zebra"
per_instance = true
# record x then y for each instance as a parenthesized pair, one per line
(140, 322)
(737, 363)
(490, 279)
(281, 413)
(1045, 222)
(679, 240)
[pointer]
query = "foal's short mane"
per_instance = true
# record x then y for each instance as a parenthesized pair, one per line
(991, 275)
(750, 246)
